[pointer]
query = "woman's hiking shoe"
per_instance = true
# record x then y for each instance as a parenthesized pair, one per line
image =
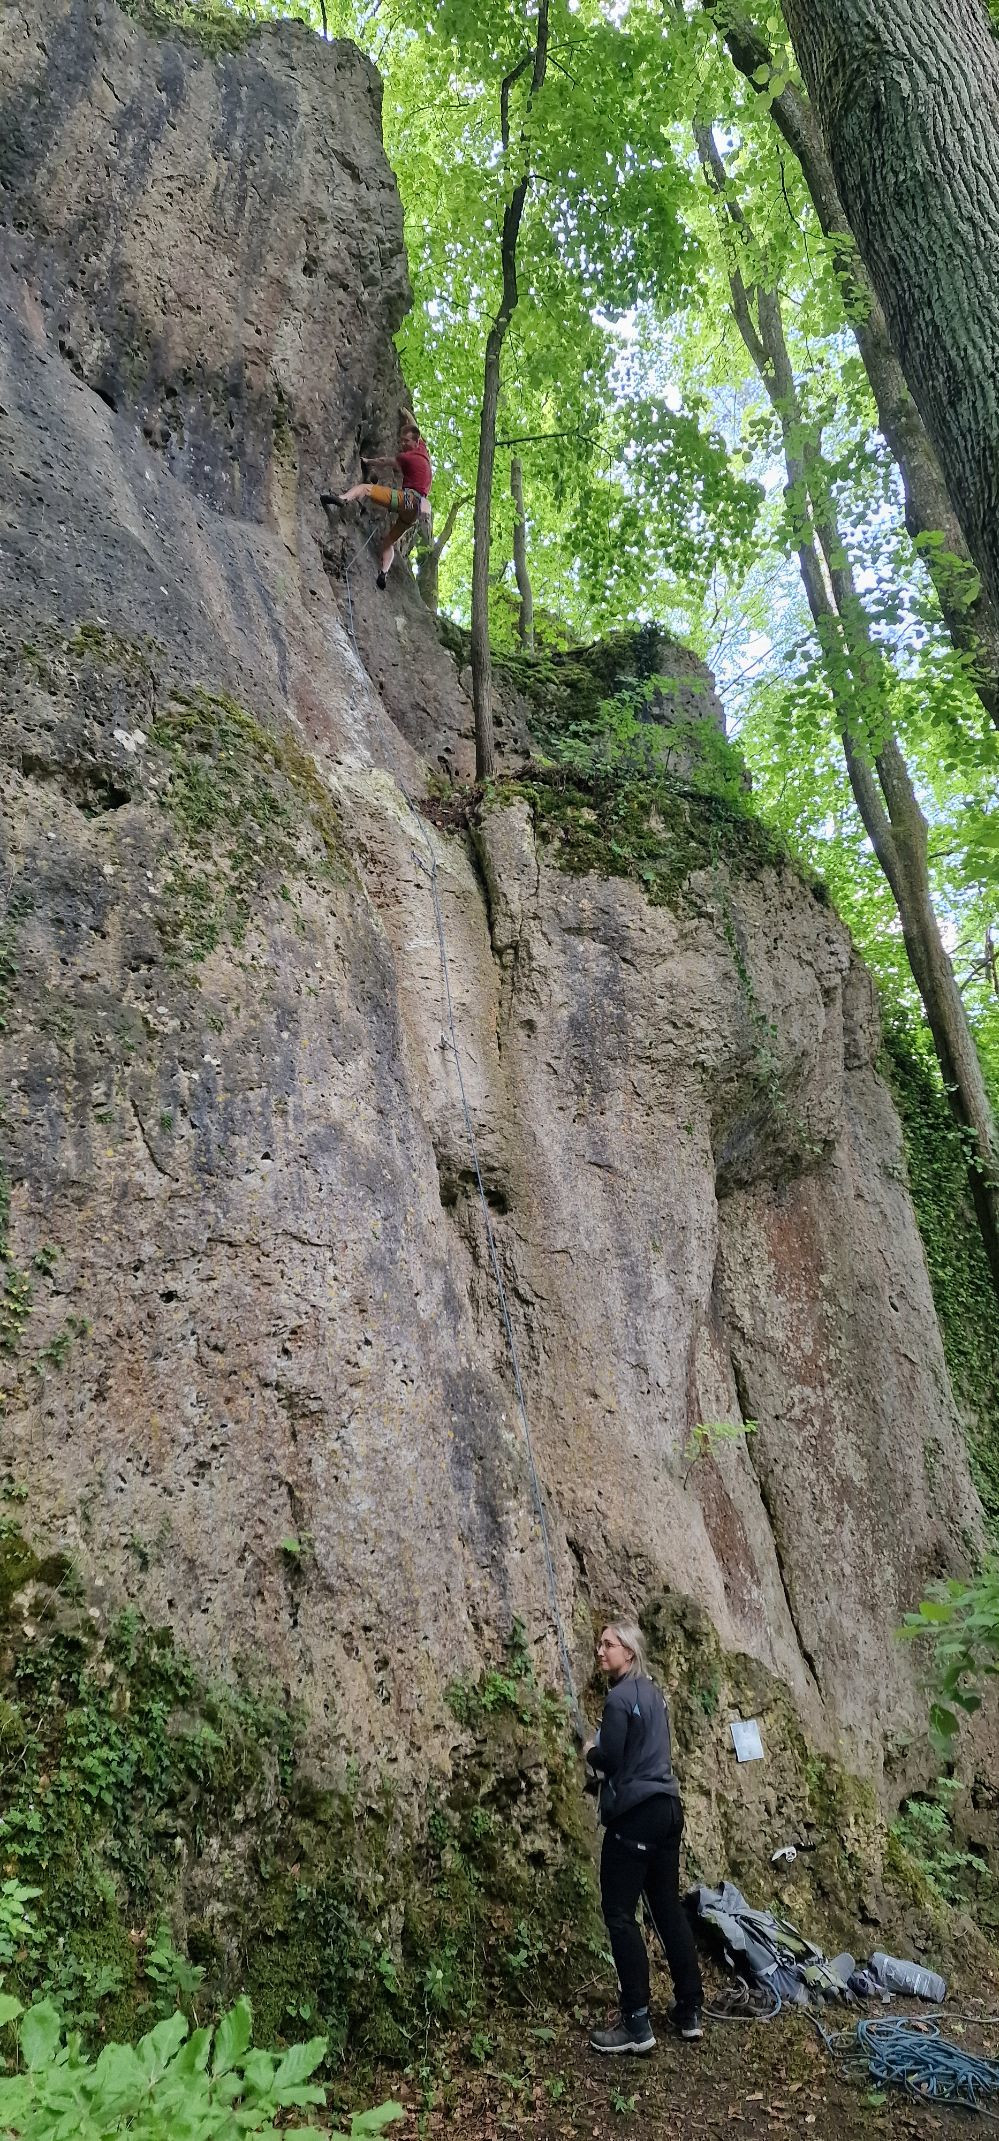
(687, 2021)
(632, 2034)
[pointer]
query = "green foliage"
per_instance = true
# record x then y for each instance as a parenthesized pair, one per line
(124, 1758)
(924, 1829)
(214, 2085)
(632, 504)
(17, 1296)
(175, 1978)
(960, 1621)
(17, 1923)
(57, 1349)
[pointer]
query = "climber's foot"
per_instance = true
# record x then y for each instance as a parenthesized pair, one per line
(381, 580)
(331, 498)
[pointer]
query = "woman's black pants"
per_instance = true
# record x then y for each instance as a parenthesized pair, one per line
(641, 1856)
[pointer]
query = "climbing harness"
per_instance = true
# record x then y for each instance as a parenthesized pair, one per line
(429, 870)
(916, 2056)
(743, 2002)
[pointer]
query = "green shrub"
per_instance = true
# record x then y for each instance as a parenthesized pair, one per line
(924, 1827)
(213, 2085)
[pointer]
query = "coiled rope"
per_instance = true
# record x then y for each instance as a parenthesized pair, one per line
(917, 2057)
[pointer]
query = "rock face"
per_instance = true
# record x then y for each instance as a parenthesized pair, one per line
(256, 1379)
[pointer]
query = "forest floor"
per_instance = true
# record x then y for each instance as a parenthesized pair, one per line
(745, 2079)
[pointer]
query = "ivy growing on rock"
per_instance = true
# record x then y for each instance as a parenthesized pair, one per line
(959, 1275)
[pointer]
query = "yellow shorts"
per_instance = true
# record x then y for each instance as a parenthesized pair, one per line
(408, 502)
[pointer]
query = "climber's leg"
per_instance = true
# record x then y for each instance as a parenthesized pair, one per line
(409, 505)
(379, 494)
(387, 552)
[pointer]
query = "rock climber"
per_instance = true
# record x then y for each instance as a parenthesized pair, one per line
(409, 502)
(642, 1819)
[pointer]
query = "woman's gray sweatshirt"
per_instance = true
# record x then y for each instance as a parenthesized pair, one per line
(631, 1753)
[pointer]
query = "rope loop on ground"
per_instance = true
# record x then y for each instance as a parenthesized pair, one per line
(913, 2054)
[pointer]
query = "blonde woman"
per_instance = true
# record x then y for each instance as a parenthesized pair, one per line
(643, 1822)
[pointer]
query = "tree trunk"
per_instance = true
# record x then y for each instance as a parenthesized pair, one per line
(525, 622)
(907, 92)
(855, 673)
(428, 560)
(481, 655)
(972, 620)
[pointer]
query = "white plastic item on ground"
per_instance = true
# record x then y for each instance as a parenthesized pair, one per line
(898, 1976)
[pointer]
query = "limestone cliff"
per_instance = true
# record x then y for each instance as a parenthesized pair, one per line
(255, 1377)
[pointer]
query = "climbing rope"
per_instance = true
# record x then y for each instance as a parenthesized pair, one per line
(916, 2056)
(352, 560)
(429, 870)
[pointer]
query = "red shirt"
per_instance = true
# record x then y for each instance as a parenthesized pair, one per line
(414, 465)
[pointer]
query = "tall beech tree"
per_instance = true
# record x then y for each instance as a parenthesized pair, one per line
(970, 614)
(907, 92)
(860, 691)
(481, 655)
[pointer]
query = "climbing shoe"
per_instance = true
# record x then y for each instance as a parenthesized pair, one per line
(331, 498)
(632, 2034)
(381, 581)
(687, 2022)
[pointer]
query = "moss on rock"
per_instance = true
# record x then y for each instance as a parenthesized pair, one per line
(215, 25)
(173, 1832)
(630, 773)
(659, 831)
(252, 812)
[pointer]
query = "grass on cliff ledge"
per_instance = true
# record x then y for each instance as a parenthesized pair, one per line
(218, 26)
(622, 780)
(656, 830)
